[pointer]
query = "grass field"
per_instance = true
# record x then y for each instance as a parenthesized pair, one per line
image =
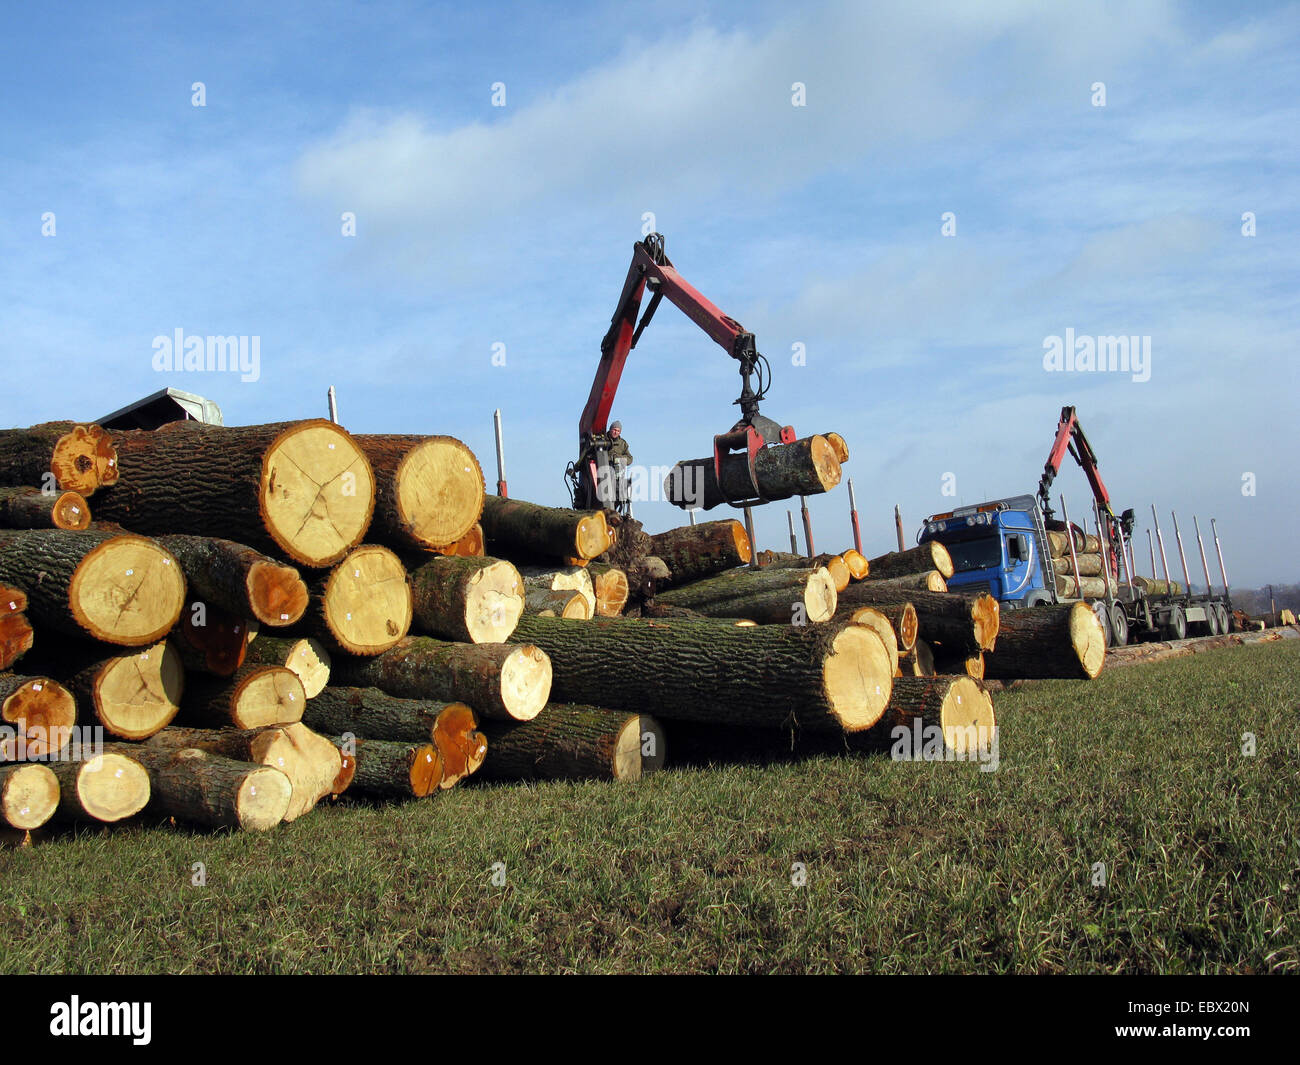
(909, 866)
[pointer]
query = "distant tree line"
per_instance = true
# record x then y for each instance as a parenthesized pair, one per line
(1256, 600)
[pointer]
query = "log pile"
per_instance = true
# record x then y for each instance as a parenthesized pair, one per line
(265, 618)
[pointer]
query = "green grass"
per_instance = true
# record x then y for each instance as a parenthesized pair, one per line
(910, 866)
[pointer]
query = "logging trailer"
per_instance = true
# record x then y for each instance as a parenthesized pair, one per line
(594, 482)
(1002, 547)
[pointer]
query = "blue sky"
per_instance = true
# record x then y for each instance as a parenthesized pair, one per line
(817, 225)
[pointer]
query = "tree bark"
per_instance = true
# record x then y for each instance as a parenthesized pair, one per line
(255, 697)
(805, 467)
(470, 600)
(954, 620)
(238, 579)
(771, 596)
(566, 742)
(16, 635)
(41, 712)
(505, 681)
(428, 489)
(694, 552)
(514, 528)
(818, 676)
(81, 458)
(120, 589)
(30, 508)
(310, 761)
(105, 787)
(304, 655)
(930, 555)
(29, 795)
(373, 714)
(394, 770)
(1048, 641)
(571, 604)
(303, 489)
(929, 581)
(200, 788)
(363, 605)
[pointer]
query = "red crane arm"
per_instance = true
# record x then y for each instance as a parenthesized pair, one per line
(1070, 438)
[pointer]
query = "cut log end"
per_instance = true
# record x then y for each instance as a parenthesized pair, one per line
(368, 601)
(70, 511)
(627, 750)
(825, 461)
(127, 591)
(461, 747)
(85, 460)
(110, 787)
(594, 536)
(276, 594)
(29, 795)
(526, 682)
(42, 713)
(439, 489)
(858, 678)
(494, 602)
(317, 517)
(139, 694)
(1088, 638)
(269, 695)
(262, 799)
(820, 595)
(16, 638)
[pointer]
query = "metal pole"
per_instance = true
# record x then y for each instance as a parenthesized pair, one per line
(691, 514)
(1151, 544)
(334, 407)
(1125, 553)
(501, 456)
(1074, 558)
(1103, 542)
(1205, 563)
(1214, 529)
(753, 544)
(898, 528)
(1164, 562)
(807, 524)
(794, 540)
(1178, 538)
(853, 517)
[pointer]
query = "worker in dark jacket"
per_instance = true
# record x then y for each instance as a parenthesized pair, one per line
(619, 453)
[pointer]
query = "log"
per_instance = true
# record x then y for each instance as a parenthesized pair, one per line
(303, 489)
(104, 787)
(1058, 542)
(124, 590)
(363, 605)
(505, 681)
(255, 697)
(571, 604)
(930, 555)
(200, 788)
(311, 762)
(836, 565)
(567, 742)
(470, 600)
(304, 655)
(663, 610)
(394, 770)
(1157, 587)
(40, 713)
(859, 566)
(81, 458)
(918, 661)
(954, 620)
(30, 508)
(374, 714)
(694, 552)
(930, 581)
(1090, 565)
(1087, 587)
(805, 467)
(462, 747)
(959, 664)
(901, 616)
(428, 489)
(241, 581)
(771, 596)
(132, 695)
(209, 640)
(29, 795)
(16, 635)
(611, 587)
(468, 546)
(883, 627)
(935, 718)
(571, 578)
(515, 528)
(1048, 641)
(818, 676)
(838, 445)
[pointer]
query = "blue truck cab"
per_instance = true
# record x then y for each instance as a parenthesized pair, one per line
(996, 547)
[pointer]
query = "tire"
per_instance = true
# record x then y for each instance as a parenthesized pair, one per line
(1225, 620)
(1118, 626)
(1176, 627)
(1212, 622)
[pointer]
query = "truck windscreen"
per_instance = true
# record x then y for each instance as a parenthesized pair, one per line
(975, 554)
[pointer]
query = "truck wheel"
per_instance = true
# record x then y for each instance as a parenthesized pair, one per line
(1212, 620)
(1118, 626)
(1176, 626)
